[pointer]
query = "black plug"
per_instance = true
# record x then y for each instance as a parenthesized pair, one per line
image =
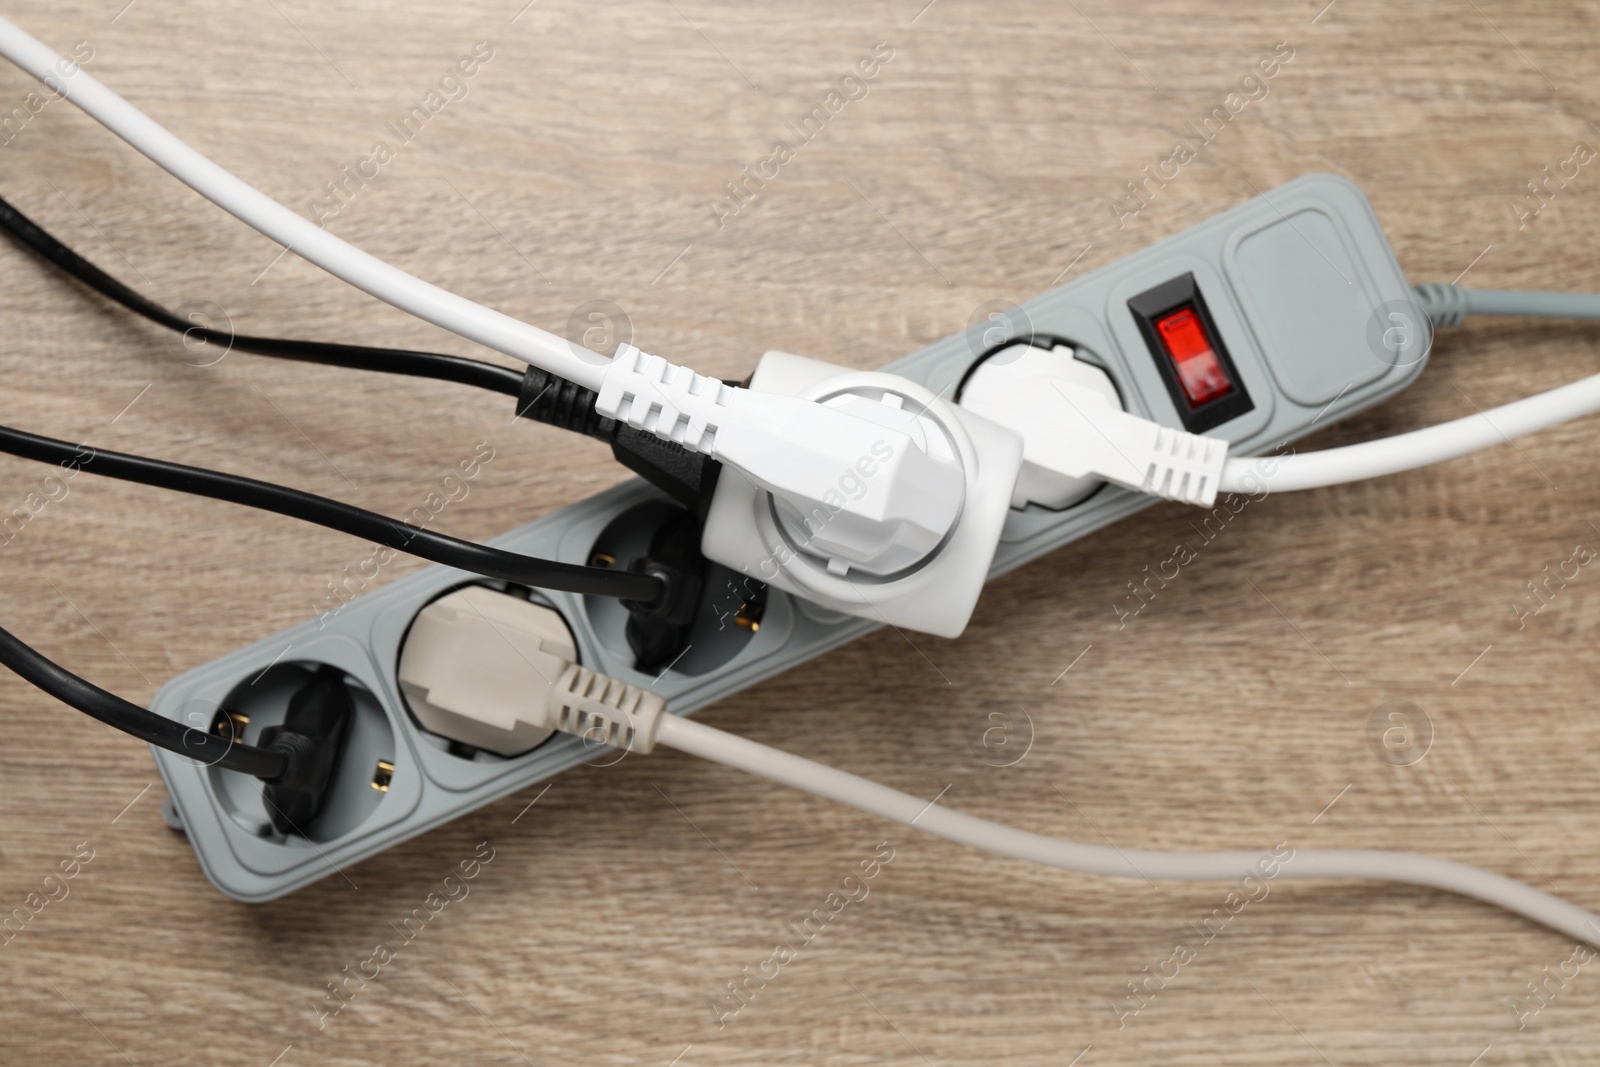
(686, 476)
(311, 739)
(658, 631)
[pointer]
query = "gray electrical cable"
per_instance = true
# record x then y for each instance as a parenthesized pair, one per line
(1448, 304)
(1533, 304)
(753, 757)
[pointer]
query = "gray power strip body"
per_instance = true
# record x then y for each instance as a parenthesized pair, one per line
(1304, 292)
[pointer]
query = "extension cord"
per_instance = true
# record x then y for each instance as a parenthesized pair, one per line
(1320, 225)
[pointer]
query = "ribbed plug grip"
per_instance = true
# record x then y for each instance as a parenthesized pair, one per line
(1184, 466)
(1444, 303)
(555, 401)
(597, 708)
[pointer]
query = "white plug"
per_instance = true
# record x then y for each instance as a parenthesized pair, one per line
(989, 389)
(1075, 432)
(500, 673)
(910, 511)
(810, 453)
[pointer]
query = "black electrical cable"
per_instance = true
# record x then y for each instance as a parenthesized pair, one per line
(541, 396)
(358, 357)
(130, 718)
(336, 515)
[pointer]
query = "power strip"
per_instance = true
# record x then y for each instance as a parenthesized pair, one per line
(1298, 289)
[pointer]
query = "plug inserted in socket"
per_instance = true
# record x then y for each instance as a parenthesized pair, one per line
(723, 609)
(914, 582)
(455, 655)
(993, 388)
(320, 706)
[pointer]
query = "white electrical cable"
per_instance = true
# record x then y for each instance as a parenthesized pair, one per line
(754, 758)
(1407, 451)
(366, 272)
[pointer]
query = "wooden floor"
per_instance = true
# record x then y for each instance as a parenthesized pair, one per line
(585, 160)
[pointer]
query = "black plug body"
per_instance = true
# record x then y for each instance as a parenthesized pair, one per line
(311, 739)
(688, 477)
(658, 632)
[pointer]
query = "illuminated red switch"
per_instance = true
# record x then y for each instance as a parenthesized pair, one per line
(1200, 372)
(1195, 365)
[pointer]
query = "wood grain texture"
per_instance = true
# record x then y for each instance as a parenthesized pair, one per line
(981, 166)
